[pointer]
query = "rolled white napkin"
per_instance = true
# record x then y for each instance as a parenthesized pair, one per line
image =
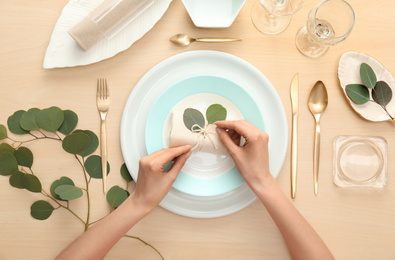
(106, 20)
(205, 142)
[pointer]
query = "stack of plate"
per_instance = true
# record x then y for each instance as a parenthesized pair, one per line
(208, 185)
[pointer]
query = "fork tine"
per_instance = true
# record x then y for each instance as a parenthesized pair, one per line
(98, 89)
(107, 90)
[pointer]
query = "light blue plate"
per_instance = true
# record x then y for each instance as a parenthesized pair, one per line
(170, 97)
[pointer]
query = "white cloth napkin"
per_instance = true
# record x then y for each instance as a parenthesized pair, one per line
(181, 135)
(63, 50)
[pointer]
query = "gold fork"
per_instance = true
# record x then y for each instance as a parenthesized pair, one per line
(103, 104)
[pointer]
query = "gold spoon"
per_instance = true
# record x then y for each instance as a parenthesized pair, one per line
(318, 101)
(185, 40)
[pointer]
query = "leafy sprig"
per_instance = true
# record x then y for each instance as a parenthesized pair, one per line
(371, 89)
(194, 119)
(16, 161)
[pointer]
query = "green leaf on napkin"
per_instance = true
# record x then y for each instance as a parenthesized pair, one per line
(76, 143)
(382, 93)
(50, 119)
(358, 93)
(116, 196)
(41, 210)
(215, 112)
(28, 120)
(367, 75)
(193, 118)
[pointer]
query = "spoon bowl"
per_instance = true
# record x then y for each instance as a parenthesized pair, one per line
(317, 103)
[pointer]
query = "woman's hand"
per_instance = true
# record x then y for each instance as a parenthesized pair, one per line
(251, 159)
(153, 181)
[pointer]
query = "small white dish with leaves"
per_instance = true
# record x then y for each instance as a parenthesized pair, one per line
(368, 86)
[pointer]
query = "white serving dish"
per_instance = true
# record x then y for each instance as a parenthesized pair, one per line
(213, 13)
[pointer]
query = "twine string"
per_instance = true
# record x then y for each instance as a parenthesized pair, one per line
(203, 132)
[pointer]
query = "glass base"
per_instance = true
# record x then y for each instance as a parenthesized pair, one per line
(268, 23)
(307, 46)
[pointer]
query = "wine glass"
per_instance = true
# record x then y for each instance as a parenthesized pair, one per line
(329, 23)
(274, 16)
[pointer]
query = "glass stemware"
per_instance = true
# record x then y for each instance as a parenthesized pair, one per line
(329, 23)
(274, 16)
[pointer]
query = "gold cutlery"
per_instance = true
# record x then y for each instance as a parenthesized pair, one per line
(103, 104)
(318, 101)
(185, 40)
(294, 137)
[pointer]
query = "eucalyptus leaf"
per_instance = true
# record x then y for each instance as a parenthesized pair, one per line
(367, 75)
(50, 119)
(62, 181)
(4, 147)
(382, 93)
(8, 163)
(13, 123)
(358, 93)
(28, 120)
(93, 144)
(41, 210)
(93, 167)
(76, 143)
(69, 123)
(193, 117)
(16, 180)
(3, 132)
(24, 157)
(215, 112)
(116, 196)
(68, 192)
(125, 173)
(31, 183)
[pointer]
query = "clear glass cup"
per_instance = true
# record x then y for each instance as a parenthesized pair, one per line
(329, 23)
(360, 161)
(274, 16)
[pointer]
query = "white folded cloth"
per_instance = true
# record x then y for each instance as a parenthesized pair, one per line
(206, 140)
(106, 20)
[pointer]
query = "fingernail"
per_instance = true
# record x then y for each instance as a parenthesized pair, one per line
(219, 130)
(188, 146)
(188, 154)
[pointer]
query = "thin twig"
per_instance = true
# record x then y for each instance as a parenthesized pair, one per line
(139, 239)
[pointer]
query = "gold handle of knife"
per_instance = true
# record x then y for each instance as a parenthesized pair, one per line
(294, 154)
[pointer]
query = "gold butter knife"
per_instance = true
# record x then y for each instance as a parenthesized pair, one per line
(294, 137)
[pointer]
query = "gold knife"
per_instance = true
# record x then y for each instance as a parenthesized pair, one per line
(294, 137)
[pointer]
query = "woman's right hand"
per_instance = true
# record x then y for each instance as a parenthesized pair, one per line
(251, 159)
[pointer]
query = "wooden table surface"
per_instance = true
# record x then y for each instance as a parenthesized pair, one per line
(355, 223)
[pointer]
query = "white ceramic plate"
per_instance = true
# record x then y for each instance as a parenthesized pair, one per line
(189, 64)
(204, 174)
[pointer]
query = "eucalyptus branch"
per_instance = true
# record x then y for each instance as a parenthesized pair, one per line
(62, 206)
(147, 244)
(87, 192)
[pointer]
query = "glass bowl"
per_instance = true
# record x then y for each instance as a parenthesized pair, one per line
(360, 161)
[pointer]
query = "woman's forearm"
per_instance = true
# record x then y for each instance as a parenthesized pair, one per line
(301, 239)
(99, 239)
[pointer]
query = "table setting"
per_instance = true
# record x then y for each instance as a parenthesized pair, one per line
(91, 87)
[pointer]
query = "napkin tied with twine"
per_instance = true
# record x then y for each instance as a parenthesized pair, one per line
(201, 139)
